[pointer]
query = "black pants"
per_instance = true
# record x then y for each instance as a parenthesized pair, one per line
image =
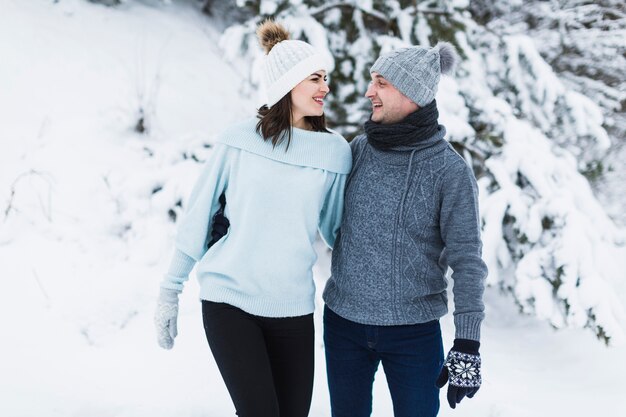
(266, 363)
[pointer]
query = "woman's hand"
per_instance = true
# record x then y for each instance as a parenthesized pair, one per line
(165, 318)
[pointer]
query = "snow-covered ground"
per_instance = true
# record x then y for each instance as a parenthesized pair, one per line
(85, 234)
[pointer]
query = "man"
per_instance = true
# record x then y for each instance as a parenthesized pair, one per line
(411, 209)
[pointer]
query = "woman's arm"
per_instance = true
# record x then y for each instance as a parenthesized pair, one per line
(332, 210)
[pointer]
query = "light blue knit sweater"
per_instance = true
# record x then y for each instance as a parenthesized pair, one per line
(276, 200)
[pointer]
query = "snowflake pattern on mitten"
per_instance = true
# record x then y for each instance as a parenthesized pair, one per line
(464, 369)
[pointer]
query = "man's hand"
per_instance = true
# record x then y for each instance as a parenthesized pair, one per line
(219, 223)
(461, 370)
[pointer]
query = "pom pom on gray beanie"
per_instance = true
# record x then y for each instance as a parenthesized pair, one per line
(416, 70)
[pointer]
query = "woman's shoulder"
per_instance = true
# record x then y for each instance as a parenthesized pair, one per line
(339, 148)
(338, 140)
(246, 127)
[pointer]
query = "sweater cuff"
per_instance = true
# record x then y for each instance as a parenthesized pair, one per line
(468, 326)
(180, 267)
(181, 264)
(168, 296)
(466, 346)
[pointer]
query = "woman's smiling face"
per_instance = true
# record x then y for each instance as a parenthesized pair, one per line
(307, 98)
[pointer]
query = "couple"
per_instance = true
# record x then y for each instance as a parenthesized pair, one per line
(398, 205)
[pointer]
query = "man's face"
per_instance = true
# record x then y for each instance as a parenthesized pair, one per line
(389, 105)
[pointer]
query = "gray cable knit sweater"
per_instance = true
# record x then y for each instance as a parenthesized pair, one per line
(409, 214)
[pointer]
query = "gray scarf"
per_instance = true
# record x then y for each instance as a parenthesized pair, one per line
(413, 129)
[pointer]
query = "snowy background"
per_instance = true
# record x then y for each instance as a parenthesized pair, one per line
(88, 203)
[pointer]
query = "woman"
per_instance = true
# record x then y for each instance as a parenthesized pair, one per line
(283, 176)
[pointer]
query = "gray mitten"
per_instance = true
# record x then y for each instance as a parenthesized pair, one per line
(165, 318)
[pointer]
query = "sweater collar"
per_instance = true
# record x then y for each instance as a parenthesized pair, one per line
(327, 151)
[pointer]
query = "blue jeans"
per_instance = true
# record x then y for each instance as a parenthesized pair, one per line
(412, 357)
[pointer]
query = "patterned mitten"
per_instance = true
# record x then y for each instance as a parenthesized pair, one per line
(461, 370)
(165, 318)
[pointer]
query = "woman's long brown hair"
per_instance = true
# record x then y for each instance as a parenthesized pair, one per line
(275, 123)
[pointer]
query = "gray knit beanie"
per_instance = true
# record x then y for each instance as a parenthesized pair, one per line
(416, 70)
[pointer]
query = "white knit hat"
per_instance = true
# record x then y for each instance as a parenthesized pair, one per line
(287, 62)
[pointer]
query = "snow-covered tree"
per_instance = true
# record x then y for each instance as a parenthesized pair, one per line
(547, 240)
(584, 42)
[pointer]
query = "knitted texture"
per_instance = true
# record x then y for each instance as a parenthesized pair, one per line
(402, 209)
(413, 129)
(463, 369)
(415, 71)
(276, 201)
(327, 151)
(165, 318)
(287, 63)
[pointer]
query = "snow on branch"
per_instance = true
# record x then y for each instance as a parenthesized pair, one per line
(569, 118)
(545, 216)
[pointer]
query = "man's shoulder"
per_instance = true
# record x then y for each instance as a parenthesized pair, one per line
(357, 144)
(453, 161)
(456, 170)
(358, 140)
